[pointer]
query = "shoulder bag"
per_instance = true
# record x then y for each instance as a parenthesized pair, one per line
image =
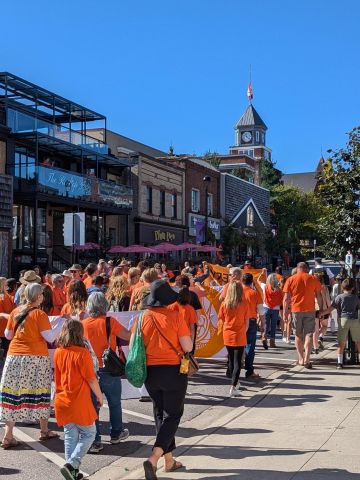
(111, 362)
(188, 363)
(21, 319)
(135, 369)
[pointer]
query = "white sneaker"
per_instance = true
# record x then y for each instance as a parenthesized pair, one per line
(234, 392)
(284, 339)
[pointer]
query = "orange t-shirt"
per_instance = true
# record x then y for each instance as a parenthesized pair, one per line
(234, 324)
(273, 298)
(7, 305)
(66, 309)
(73, 368)
(87, 281)
(28, 339)
(186, 312)
(95, 332)
(254, 299)
(135, 286)
(172, 326)
(59, 299)
(302, 288)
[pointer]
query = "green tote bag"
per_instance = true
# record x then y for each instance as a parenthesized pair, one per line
(135, 368)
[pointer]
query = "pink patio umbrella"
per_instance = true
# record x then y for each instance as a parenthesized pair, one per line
(185, 245)
(116, 249)
(206, 248)
(165, 247)
(138, 249)
(87, 246)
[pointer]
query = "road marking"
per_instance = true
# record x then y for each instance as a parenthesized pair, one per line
(276, 358)
(40, 448)
(211, 375)
(140, 415)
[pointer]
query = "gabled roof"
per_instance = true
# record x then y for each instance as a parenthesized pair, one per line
(249, 202)
(250, 119)
(305, 181)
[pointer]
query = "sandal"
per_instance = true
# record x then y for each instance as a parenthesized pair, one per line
(150, 471)
(9, 443)
(49, 435)
(308, 365)
(175, 466)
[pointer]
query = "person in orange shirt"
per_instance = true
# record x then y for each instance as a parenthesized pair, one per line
(300, 290)
(77, 301)
(186, 310)
(7, 305)
(256, 311)
(134, 278)
(235, 276)
(273, 298)
(58, 294)
(90, 273)
(75, 378)
(248, 265)
(138, 294)
(233, 321)
(95, 331)
(26, 379)
(166, 337)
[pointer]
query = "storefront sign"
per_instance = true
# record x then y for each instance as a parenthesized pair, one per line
(150, 234)
(213, 225)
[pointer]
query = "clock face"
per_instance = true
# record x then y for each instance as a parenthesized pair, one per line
(246, 137)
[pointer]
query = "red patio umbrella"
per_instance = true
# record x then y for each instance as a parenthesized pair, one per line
(206, 248)
(185, 245)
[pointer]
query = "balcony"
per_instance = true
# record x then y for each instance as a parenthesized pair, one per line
(21, 123)
(68, 185)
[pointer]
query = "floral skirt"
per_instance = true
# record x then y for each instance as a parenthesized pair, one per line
(25, 388)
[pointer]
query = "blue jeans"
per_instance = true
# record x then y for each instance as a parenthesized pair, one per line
(271, 319)
(250, 347)
(111, 388)
(77, 440)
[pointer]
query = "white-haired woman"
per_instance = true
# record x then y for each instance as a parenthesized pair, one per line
(26, 379)
(95, 332)
(273, 298)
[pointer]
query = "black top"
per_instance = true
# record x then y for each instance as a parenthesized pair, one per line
(347, 305)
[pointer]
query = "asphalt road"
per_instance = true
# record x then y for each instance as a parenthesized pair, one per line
(32, 460)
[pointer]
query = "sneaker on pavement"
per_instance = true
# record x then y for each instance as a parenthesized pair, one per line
(145, 399)
(68, 472)
(340, 366)
(96, 447)
(120, 438)
(284, 339)
(234, 392)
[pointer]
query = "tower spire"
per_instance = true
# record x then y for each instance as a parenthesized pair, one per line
(250, 94)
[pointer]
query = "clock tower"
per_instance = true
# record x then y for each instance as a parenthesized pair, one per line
(250, 136)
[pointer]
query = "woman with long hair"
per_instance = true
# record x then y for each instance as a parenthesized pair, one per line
(118, 295)
(134, 278)
(76, 307)
(26, 378)
(233, 321)
(137, 296)
(273, 298)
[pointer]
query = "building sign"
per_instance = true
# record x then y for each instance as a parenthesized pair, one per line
(164, 236)
(213, 225)
(152, 234)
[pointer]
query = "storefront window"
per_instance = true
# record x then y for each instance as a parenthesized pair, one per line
(162, 203)
(174, 205)
(41, 228)
(23, 227)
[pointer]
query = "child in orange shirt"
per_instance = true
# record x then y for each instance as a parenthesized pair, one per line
(74, 378)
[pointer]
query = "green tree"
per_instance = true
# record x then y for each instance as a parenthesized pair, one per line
(295, 216)
(270, 176)
(339, 192)
(212, 158)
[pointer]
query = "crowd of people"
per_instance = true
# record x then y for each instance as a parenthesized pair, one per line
(71, 313)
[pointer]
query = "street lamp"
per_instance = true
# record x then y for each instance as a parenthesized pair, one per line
(206, 180)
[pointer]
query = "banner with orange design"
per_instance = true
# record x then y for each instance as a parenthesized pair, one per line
(208, 342)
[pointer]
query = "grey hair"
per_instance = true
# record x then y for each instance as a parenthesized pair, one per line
(32, 291)
(97, 305)
(235, 270)
(56, 277)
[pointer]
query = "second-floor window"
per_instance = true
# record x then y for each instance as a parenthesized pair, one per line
(174, 205)
(162, 203)
(210, 203)
(148, 199)
(195, 200)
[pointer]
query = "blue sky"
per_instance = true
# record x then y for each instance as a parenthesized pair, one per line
(176, 71)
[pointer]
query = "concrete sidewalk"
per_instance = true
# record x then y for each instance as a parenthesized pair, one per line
(305, 425)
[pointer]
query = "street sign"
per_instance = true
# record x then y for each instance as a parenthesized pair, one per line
(349, 259)
(74, 229)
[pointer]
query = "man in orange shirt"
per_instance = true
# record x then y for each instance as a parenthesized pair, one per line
(301, 289)
(58, 294)
(255, 311)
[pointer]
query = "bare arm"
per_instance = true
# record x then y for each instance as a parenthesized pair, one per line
(319, 299)
(286, 304)
(95, 387)
(186, 343)
(124, 334)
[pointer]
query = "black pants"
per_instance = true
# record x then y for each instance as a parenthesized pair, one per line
(235, 356)
(167, 389)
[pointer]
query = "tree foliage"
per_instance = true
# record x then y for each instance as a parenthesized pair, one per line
(339, 192)
(295, 216)
(270, 176)
(212, 158)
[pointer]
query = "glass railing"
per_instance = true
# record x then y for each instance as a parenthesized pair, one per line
(22, 123)
(54, 181)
